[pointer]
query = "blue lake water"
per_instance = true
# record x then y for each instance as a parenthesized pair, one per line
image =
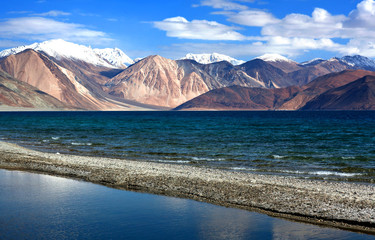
(319, 145)
(36, 206)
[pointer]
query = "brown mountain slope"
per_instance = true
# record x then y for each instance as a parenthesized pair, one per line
(228, 75)
(94, 78)
(322, 84)
(159, 81)
(313, 71)
(286, 66)
(16, 93)
(41, 72)
(271, 76)
(237, 97)
(357, 95)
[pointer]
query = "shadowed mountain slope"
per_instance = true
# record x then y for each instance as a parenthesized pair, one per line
(357, 95)
(237, 97)
(16, 93)
(290, 98)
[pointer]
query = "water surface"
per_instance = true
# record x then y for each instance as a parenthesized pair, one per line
(318, 145)
(36, 206)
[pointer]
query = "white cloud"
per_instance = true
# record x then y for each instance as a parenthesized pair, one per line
(40, 29)
(359, 24)
(181, 28)
(252, 18)
(224, 4)
(365, 47)
(53, 13)
(320, 25)
(363, 16)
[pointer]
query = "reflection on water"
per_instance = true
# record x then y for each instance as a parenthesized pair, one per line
(44, 207)
(235, 224)
(290, 230)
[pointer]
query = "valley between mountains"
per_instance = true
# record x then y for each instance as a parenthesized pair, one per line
(61, 75)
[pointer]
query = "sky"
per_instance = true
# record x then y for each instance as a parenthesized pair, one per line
(298, 29)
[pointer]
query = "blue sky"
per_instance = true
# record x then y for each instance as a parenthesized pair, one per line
(298, 29)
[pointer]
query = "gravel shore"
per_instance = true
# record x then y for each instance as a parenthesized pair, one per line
(344, 205)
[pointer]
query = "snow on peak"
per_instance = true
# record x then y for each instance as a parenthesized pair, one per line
(334, 59)
(359, 61)
(138, 59)
(206, 58)
(114, 56)
(11, 51)
(60, 49)
(273, 58)
(313, 62)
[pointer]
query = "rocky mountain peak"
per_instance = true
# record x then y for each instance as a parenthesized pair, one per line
(207, 58)
(274, 58)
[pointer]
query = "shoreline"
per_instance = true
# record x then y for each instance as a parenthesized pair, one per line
(349, 206)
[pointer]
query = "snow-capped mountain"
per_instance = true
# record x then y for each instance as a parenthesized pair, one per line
(114, 56)
(355, 62)
(207, 58)
(312, 62)
(60, 49)
(273, 58)
(138, 59)
(360, 62)
(281, 62)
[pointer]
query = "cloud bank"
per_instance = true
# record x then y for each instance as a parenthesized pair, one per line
(179, 27)
(292, 35)
(40, 28)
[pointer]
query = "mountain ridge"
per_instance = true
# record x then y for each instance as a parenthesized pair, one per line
(98, 79)
(356, 95)
(58, 49)
(310, 97)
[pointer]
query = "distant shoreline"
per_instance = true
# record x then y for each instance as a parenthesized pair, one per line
(4, 108)
(344, 205)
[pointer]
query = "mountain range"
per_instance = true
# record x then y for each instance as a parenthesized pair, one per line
(65, 75)
(328, 92)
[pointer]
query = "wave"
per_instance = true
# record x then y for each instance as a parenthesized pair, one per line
(242, 169)
(207, 159)
(329, 173)
(171, 161)
(323, 173)
(55, 138)
(81, 144)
